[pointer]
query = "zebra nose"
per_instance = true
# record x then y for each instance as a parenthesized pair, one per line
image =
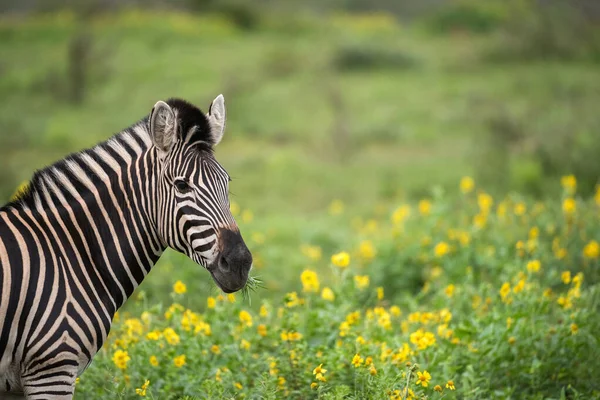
(234, 254)
(223, 263)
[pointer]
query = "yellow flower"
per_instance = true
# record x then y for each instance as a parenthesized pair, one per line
(231, 297)
(262, 330)
(425, 207)
(336, 207)
(244, 344)
(560, 253)
(154, 361)
(574, 329)
(234, 208)
(238, 386)
(485, 202)
(341, 259)
(319, 370)
(578, 279)
(449, 290)
(215, 349)
(450, 385)
(480, 220)
(441, 249)
(564, 302)
(519, 286)
(247, 216)
(512, 340)
(372, 370)
(290, 336)
(566, 277)
(569, 183)
(591, 250)
(395, 310)
(179, 361)
(258, 237)
(357, 360)
(292, 300)
(142, 391)
(422, 339)
(400, 214)
(520, 209)
(171, 336)
(569, 206)
(505, 290)
(361, 281)
(534, 266)
(312, 252)
(379, 293)
(179, 287)
(438, 388)
(211, 302)
(423, 378)
(534, 232)
(467, 184)
(310, 281)
(153, 335)
(245, 318)
(509, 322)
(366, 250)
(121, 358)
(314, 385)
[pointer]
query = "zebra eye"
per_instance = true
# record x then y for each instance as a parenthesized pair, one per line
(182, 185)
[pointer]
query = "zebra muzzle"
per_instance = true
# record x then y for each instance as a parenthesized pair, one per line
(231, 267)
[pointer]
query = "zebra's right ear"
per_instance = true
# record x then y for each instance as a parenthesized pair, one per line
(163, 127)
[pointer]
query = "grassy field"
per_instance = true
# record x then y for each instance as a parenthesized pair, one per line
(333, 125)
(470, 297)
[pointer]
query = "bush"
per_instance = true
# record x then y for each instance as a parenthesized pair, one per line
(365, 56)
(467, 16)
(529, 152)
(243, 14)
(546, 30)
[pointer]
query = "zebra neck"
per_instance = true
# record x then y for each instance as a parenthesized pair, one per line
(94, 207)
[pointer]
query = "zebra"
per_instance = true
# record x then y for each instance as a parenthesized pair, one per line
(87, 230)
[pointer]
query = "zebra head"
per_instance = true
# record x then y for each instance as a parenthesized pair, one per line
(192, 204)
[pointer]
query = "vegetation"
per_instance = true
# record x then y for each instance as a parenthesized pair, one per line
(467, 297)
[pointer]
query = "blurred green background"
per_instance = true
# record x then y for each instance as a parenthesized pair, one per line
(368, 102)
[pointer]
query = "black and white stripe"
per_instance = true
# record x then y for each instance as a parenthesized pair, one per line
(75, 246)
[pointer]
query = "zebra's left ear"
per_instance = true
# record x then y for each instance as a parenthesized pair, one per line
(216, 119)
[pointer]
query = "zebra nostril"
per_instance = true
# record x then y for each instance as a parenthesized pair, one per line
(223, 264)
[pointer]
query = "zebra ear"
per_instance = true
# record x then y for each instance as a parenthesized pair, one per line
(216, 119)
(163, 126)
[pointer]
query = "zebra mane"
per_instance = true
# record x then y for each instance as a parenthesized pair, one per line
(26, 197)
(193, 126)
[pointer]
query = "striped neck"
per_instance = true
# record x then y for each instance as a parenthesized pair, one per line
(98, 207)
